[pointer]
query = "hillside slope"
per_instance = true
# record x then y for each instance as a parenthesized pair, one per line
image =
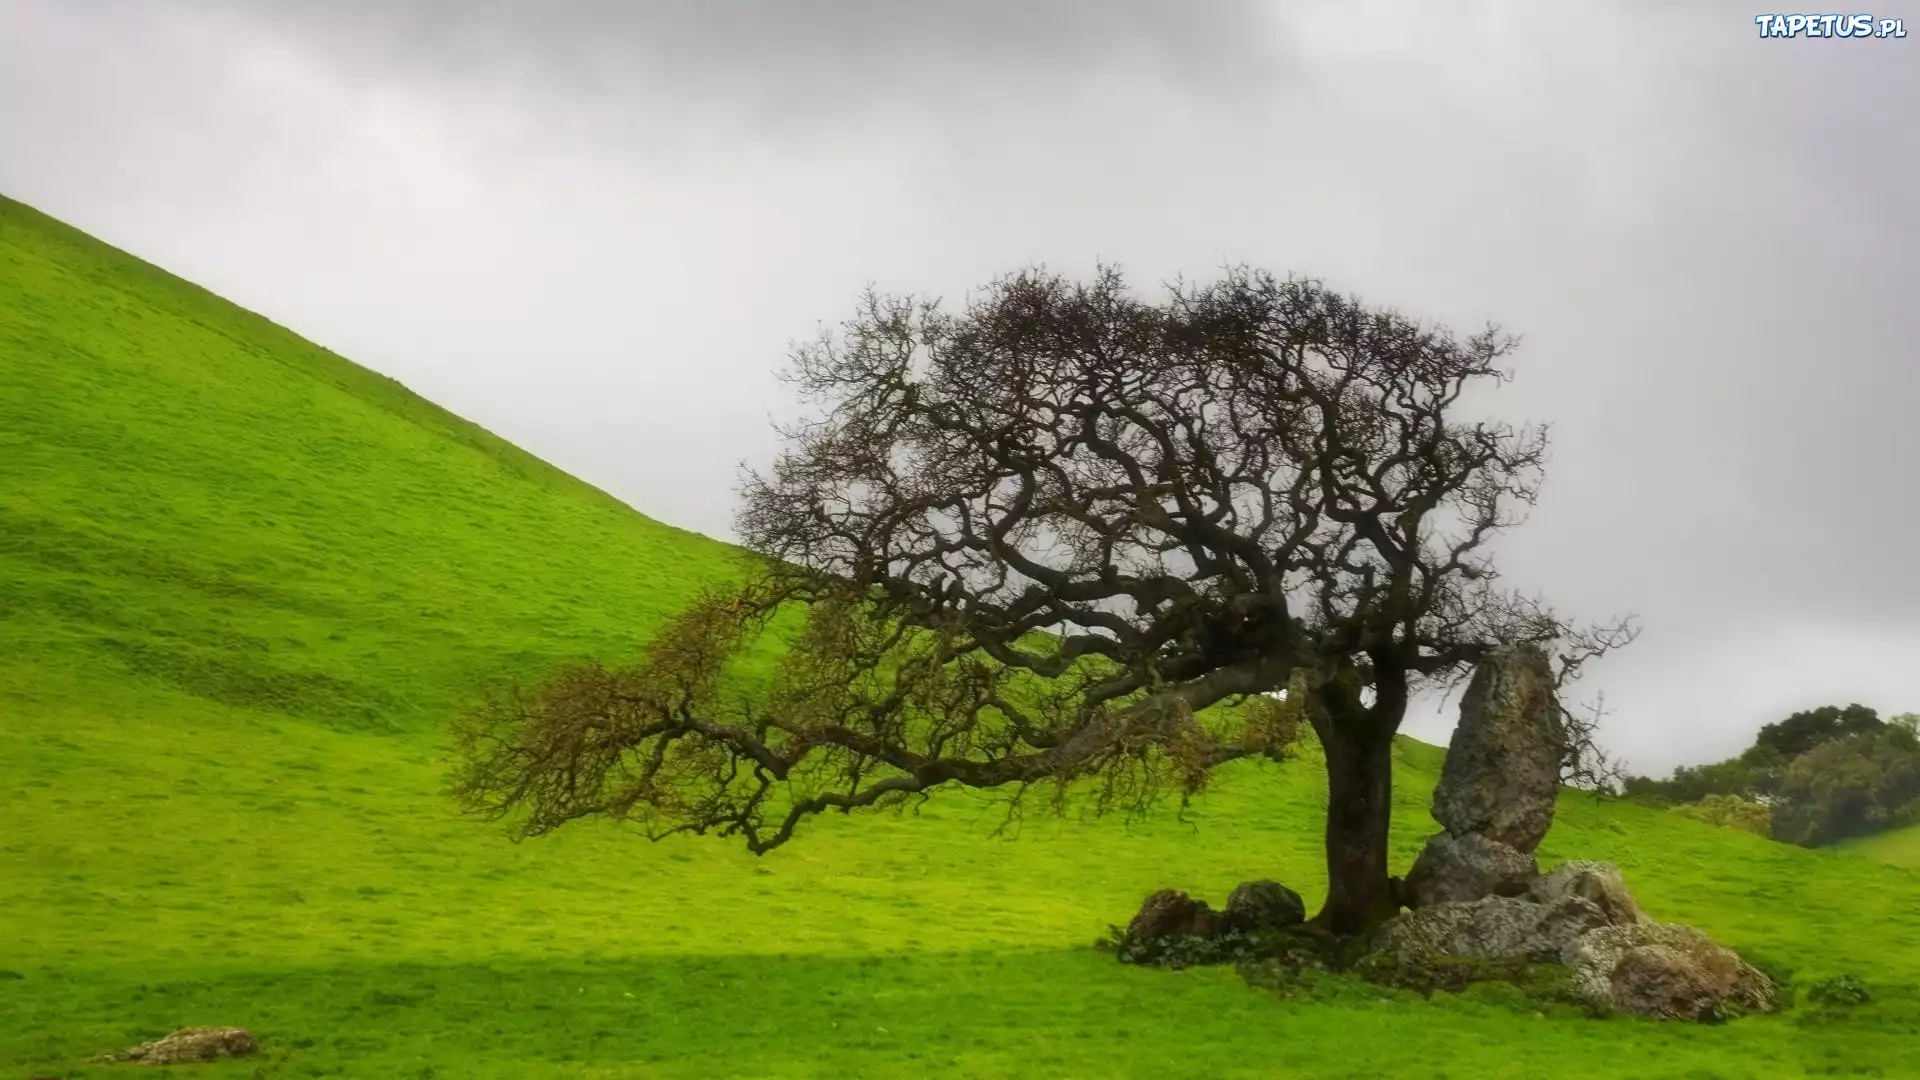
(196, 496)
(242, 584)
(1901, 847)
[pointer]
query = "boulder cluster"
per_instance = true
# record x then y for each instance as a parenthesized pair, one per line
(1252, 907)
(1476, 893)
(1580, 914)
(1476, 890)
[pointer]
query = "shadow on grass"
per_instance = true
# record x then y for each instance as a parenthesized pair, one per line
(1063, 1013)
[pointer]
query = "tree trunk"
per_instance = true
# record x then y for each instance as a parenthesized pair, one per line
(1359, 804)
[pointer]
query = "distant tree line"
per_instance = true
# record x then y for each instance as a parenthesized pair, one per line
(1819, 776)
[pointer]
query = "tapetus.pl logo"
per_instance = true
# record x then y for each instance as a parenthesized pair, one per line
(1829, 26)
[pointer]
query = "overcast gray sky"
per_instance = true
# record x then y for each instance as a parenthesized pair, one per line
(595, 227)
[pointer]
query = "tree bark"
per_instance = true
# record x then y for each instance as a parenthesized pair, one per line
(1360, 896)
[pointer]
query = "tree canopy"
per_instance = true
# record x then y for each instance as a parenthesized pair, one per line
(1808, 728)
(1068, 535)
(1818, 776)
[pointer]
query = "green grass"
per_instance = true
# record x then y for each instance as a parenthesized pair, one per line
(1901, 847)
(243, 583)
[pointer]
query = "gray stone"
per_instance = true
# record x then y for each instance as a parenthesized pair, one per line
(1599, 883)
(1455, 869)
(1503, 764)
(1263, 905)
(1494, 928)
(1170, 912)
(1665, 970)
(189, 1045)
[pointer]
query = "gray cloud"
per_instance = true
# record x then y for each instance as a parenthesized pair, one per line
(776, 63)
(595, 228)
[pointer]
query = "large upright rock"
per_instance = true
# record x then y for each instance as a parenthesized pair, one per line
(1503, 763)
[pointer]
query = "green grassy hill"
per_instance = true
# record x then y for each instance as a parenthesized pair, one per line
(243, 583)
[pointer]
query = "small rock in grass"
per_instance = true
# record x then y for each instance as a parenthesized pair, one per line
(189, 1045)
(1170, 912)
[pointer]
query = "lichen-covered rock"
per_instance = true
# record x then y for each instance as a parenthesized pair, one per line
(1503, 762)
(190, 1045)
(1592, 957)
(1659, 980)
(1170, 912)
(1658, 969)
(1263, 905)
(1494, 928)
(1456, 869)
(1599, 883)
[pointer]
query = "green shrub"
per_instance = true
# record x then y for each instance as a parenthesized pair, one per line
(1839, 991)
(1732, 812)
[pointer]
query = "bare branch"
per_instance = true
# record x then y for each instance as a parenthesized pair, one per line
(1067, 537)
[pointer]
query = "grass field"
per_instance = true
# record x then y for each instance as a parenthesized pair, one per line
(243, 583)
(1901, 847)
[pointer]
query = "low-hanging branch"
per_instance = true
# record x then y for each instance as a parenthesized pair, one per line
(861, 710)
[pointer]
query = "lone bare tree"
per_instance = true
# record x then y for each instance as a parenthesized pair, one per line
(1073, 538)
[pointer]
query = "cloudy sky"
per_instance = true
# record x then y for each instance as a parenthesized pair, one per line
(595, 227)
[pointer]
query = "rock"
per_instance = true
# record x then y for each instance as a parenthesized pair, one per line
(1455, 869)
(1503, 762)
(1592, 957)
(189, 1045)
(1599, 883)
(1493, 928)
(1658, 969)
(1263, 905)
(1170, 912)
(1660, 980)
(1206, 921)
